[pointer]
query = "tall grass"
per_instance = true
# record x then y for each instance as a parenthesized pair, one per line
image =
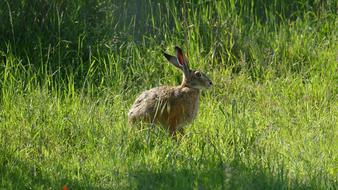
(71, 69)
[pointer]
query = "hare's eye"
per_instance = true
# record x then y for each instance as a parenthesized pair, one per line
(198, 74)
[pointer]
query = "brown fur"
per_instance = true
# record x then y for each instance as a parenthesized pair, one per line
(172, 107)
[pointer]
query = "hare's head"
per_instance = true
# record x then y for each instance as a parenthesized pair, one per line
(192, 78)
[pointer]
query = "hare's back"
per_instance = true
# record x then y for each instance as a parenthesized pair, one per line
(144, 107)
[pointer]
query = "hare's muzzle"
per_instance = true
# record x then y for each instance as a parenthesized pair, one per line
(208, 84)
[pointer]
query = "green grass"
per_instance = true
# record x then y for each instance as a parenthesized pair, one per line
(69, 77)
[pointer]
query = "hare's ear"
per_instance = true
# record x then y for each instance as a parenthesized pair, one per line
(180, 56)
(182, 61)
(172, 59)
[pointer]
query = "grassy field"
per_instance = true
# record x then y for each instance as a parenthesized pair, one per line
(70, 71)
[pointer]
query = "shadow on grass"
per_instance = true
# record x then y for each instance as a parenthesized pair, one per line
(237, 176)
(19, 174)
(16, 173)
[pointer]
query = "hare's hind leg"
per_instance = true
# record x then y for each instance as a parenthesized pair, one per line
(181, 131)
(176, 131)
(172, 130)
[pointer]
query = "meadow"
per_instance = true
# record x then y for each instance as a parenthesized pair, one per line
(70, 70)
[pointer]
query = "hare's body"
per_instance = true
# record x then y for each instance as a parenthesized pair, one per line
(172, 107)
(175, 106)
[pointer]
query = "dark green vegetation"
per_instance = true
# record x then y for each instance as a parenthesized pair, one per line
(71, 69)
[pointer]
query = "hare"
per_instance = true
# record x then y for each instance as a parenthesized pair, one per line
(171, 106)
